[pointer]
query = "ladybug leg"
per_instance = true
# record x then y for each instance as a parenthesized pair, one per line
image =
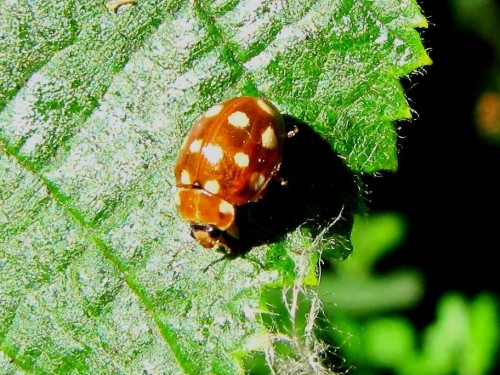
(280, 180)
(233, 230)
(292, 132)
(225, 246)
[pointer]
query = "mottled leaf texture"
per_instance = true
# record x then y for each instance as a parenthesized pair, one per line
(98, 272)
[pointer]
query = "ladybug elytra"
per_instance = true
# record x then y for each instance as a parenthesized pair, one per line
(227, 160)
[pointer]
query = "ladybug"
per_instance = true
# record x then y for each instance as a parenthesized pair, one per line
(227, 160)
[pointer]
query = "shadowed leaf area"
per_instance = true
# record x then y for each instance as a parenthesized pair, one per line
(314, 186)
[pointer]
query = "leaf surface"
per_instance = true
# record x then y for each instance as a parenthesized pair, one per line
(98, 272)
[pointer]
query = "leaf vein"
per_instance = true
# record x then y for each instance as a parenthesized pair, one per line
(78, 218)
(230, 52)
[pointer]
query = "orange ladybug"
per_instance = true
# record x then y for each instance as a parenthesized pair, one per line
(227, 160)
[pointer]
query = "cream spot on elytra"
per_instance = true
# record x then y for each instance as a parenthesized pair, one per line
(266, 107)
(212, 153)
(212, 186)
(238, 119)
(226, 208)
(269, 139)
(195, 146)
(185, 177)
(257, 181)
(241, 159)
(214, 111)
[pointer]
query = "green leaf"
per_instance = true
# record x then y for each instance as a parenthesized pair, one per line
(97, 271)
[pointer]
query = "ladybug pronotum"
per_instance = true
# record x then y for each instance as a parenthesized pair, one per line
(227, 160)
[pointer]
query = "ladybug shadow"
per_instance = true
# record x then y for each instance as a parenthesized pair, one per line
(319, 187)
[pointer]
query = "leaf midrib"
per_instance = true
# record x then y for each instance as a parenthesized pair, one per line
(121, 268)
(78, 218)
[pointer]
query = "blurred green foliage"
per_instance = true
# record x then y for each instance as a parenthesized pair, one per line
(481, 18)
(366, 311)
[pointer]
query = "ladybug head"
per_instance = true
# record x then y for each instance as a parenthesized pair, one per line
(208, 235)
(212, 218)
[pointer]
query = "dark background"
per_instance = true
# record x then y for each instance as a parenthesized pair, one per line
(447, 183)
